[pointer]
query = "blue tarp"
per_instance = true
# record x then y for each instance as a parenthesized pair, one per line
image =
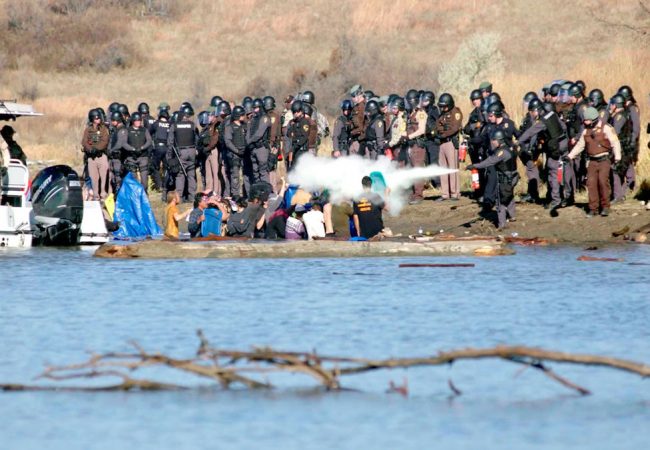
(212, 223)
(133, 211)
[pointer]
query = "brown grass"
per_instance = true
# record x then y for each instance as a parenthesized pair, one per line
(280, 47)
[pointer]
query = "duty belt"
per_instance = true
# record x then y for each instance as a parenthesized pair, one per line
(599, 158)
(183, 148)
(161, 143)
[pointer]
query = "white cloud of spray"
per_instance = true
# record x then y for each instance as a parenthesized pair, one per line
(342, 177)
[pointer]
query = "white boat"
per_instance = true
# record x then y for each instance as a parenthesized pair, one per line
(16, 214)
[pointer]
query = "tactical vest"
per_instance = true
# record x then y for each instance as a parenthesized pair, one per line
(344, 136)
(222, 129)
(506, 167)
(371, 134)
(239, 136)
(137, 137)
(184, 133)
(276, 126)
(115, 153)
(596, 141)
(255, 125)
(162, 132)
(625, 136)
(432, 117)
(412, 124)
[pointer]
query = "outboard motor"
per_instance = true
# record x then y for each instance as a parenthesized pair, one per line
(57, 203)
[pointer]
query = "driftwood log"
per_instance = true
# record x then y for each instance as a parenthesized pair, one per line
(250, 369)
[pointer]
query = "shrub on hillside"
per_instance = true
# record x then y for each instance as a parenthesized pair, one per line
(477, 59)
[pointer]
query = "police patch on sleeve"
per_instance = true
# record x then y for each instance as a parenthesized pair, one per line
(305, 127)
(380, 124)
(457, 116)
(500, 153)
(506, 125)
(266, 119)
(272, 119)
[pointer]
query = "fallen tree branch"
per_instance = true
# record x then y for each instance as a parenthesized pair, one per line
(243, 368)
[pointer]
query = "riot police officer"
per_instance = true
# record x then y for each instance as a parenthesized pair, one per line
(159, 134)
(224, 119)
(357, 133)
(298, 133)
(341, 135)
(136, 149)
(117, 137)
(472, 131)
(235, 142)
(622, 123)
(375, 131)
(182, 141)
(147, 120)
(415, 131)
(258, 142)
(275, 138)
(503, 159)
(431, 144)
(448, 128)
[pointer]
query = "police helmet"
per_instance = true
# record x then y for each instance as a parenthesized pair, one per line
(626, 92)
(187, 110)
(269, 103)
(94, 114)
(296, 106)
(369, 95)
(258, 103)
(246, 100)
(346, 105)
(411, 96)
(113, 107)
(238, 112)
(175, 116)
(102, 113)
(493, 98)
(163, 114)
(143, 108)
(554, 90)
(475, 95)
(485, 86)
(123, 109)
(498, 135)
(116, 116)
(372, 108)
(575, 90)
(446, 101)
(535, 105)
(548, 107)
(391, 98)
(582, 85)
(496, 109)
(427, 98)
(164, 106)
(136, 116)
(214, 101)
(529, 96)
(596, 97)
(307, 109)
(617, 100)
(204, 118)
(248, 108)
(398, 103)
(224, 109)
(308, 97)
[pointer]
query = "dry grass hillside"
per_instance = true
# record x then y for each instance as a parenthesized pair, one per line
(67, 56)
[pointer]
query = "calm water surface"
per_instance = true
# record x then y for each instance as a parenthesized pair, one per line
(55, 304)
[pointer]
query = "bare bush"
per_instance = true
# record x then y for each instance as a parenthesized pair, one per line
(477, 58)
(29, 89)
(199, 91)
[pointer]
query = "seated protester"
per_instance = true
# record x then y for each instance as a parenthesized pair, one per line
(275, 201)
(215, 214)
(276, 224)
(295, 228)
(314, 222)
(196, 216)
(172, 215)
(368, 211)
(248, 218)
(339, 218)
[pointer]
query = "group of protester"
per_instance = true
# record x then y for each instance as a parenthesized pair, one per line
(238, 150)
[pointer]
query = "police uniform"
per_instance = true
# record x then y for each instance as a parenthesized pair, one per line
(507, 126)
(549, 131)
(358, 131)
(258, 141)
(95, 144)
(223, 123)
(235, 140)
(529, 159)
(117, 136)
(600, 142)
(473, 130)
(298, 133)
(136, 149)
(635, 117)
(621, 175)
(415, 130)
(375, 137)
(159, 133)
(447, 129)
(397, 139)
(275, 139)
(212, 164)
(341, 135)
(182, 142)
(505, 163)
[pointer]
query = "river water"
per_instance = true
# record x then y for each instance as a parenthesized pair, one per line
(56, 304)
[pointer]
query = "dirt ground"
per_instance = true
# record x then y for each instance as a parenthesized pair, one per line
(463, 218)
